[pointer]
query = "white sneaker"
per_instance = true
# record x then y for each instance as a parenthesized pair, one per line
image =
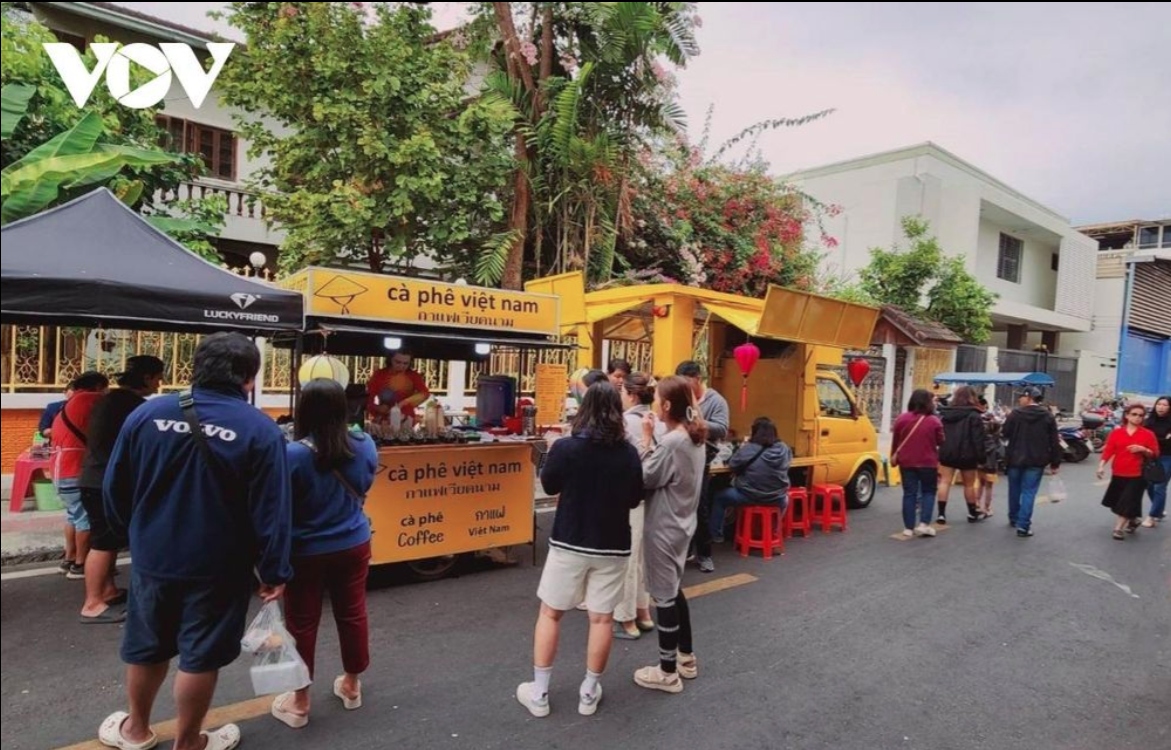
(588, 705)
(908, 533)
(524, 695)
(924, 530)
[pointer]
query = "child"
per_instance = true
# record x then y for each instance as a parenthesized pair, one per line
(994, 454)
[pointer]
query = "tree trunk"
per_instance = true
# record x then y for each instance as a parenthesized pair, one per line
(513, 277)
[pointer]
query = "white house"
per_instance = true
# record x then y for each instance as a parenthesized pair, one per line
(1040, 266)
(207, 130)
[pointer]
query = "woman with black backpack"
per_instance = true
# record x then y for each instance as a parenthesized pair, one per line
(962, 452)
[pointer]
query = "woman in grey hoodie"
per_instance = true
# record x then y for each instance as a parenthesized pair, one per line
(760, 470)
(672, 471)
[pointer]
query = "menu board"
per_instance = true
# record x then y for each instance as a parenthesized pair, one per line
(552, 385)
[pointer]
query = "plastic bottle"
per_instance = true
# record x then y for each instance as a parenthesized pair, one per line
(396, 419)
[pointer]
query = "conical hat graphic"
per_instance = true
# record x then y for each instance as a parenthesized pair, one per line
(341, 290)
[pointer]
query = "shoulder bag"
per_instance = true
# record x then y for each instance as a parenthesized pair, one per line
(894, 457)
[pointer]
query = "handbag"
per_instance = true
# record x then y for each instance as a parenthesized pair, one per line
(1154, 472)
(894, 457)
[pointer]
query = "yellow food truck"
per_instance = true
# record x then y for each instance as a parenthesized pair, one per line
(801, 336)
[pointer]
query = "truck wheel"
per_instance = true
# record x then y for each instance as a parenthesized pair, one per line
(432, 568)
(861, 489)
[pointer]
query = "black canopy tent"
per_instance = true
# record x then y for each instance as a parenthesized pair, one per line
(95, 262)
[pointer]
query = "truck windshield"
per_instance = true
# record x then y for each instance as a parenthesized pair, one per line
(833, 400)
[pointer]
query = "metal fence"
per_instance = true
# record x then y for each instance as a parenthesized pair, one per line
(1063, 370)
(970, 358)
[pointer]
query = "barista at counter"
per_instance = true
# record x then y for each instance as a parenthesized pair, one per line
(394, 384)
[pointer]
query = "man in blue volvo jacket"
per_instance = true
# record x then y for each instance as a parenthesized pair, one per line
(200, 485)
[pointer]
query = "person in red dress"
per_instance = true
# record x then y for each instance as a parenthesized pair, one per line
(1128, 447)
(396, 384)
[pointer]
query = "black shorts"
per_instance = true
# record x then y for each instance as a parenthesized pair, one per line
(101, 536)
(201, 622)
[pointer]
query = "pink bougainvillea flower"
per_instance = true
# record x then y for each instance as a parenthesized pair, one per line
(528, 50)
(289, 11)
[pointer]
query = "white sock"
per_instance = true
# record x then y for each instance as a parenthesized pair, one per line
(541, 677)
(589, 685)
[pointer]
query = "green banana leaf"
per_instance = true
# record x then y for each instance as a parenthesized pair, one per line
(36, 185)
(16, 97)
(79, 139)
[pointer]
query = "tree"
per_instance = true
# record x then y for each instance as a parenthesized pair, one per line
(925, 282)
(588, 90)
(52, 152)
(720, 222)
(376, 154)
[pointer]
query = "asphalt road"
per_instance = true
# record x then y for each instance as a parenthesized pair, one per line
(974, 639)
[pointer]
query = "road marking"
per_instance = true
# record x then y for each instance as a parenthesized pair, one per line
(230, 714)
(1102, 575)
(257, 707)
(47, 571)
(718, 584)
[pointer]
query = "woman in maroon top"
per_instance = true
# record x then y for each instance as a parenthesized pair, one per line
(1128, 447)
(918, 433)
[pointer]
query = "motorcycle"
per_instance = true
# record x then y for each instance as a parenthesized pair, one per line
(1096, 427)
(1074, 448)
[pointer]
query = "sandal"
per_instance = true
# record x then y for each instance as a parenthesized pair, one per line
(110, 734)
(281, 713)
(118, 599)
(226, 737)
(109, 616)
(1118, 536)
(351, 704)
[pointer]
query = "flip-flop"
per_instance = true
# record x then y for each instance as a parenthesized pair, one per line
(118, 599)
(284, 715)
(110, 734)
(111, 616)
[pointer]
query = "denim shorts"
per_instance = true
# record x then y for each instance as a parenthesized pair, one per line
(70, 494)
(201, 622)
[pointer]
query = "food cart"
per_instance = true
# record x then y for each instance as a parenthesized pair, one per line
(800, 337)
(441, 492)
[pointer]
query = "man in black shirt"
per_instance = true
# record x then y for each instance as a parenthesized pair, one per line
(143, 376)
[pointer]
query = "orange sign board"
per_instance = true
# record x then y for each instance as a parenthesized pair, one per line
(551, 386)
(432, 501)
(374, 297)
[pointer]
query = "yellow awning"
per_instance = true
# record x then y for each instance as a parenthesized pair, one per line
(800, 316)
(746, 320)
(595, 313)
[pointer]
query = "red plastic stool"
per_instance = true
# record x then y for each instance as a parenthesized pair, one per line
(771, 534)
(797, 515)
(832, 509)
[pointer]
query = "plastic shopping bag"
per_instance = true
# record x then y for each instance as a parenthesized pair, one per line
(1056, 490)
(276, 665)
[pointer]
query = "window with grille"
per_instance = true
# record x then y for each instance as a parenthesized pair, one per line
(1008, 262)
(1148, 237)
(216, 146)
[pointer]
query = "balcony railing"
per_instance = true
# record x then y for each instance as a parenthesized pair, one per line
(243, 203)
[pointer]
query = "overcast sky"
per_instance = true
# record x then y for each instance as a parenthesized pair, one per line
(1068, 103)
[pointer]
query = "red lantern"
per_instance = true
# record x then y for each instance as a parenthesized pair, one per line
(747, 355)
(858, 368)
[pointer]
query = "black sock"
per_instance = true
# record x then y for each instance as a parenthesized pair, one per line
(942, 509)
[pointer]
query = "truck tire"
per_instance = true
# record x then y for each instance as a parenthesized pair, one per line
(863, 485)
